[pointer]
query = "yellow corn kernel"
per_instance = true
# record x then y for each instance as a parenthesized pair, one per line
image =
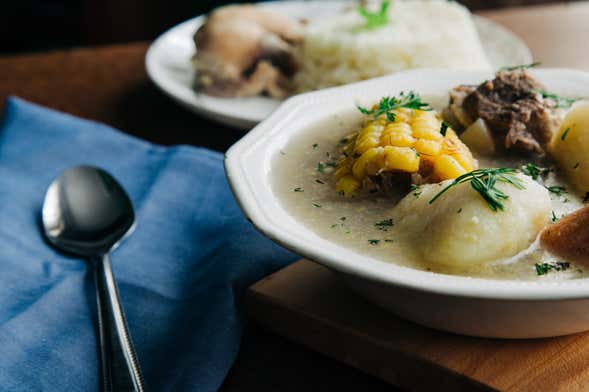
(401, 158)
(348, 185)
(398, 127)
(453, 146)
(368, 163)
(430, 133)
(446, 167)
(368, 138)
(428, 147)
(343, 168)
(397, 139)
(403, 115)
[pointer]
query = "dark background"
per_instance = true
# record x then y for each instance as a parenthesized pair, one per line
(32, 25)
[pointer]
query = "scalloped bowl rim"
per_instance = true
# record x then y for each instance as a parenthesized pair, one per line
(249, 181)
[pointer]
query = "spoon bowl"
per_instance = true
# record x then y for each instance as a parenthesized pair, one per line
(86, 212)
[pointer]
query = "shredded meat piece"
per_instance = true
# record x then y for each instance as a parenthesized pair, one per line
(244, 50)
(514, 111)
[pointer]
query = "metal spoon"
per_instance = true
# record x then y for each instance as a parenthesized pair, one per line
(87, 213)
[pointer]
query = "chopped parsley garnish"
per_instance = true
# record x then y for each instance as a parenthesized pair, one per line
(554, 217)
(299, 189)
(373, 20)
(344, 140)
(444, 127)
(523, 66)
(387, 105)
(315, 146)
(387, 240)
(565, 134)
(530, 169)
(373, 242)
(483, 181)
(318, 181)
(320, 167)
(544, 268)
(413, 187)
(561, 102)
(459, 211)
(557, 189)
(384, 224)
(317, 205)
(343, 218)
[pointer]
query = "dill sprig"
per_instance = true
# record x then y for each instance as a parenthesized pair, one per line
(373, 20)
(534, 171)
(522, 66)
(387, 105)
(561, 102)
(483, 181)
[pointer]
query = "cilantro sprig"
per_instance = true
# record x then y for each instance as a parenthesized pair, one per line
(483, 181)
(387, 105)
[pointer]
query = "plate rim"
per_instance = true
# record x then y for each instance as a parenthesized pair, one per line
(246, 122)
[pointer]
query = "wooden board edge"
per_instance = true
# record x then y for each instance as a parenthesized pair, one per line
(393, 366)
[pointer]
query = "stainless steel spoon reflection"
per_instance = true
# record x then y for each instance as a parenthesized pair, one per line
(87, 213)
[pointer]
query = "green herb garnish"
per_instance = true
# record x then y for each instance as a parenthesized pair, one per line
(565, 134)
(299, 189)
(318, 181)
(320, 167)
(523, 66)
(444, 127)
(544, 268)
(561, 102)
(554, 218)
(387, 105)
(483, 181)
(534, 171)
(317, 205)
(373, 20)
(373, 242)
(315, 146)
(557, 189)
(384, 224)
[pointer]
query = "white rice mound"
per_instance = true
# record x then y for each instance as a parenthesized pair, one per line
(420, 33)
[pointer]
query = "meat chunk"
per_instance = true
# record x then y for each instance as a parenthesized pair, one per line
(245, 50)
(569, 237)
(513, 109)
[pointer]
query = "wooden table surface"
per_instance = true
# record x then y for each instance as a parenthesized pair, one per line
(109, 84)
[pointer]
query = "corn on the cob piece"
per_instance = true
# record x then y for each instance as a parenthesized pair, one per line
(413, 143)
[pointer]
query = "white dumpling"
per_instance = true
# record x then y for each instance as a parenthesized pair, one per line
(459, 230)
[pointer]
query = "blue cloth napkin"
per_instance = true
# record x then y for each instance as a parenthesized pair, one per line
(181, 274)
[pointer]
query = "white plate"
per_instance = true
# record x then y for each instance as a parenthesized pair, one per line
(168, 63)
(481, 307)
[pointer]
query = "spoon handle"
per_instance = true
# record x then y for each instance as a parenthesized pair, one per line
(120, 368)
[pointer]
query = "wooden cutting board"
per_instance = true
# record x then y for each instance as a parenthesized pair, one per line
(308, 304)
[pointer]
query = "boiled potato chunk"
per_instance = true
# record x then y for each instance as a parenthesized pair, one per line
(478, 138)
(570, 147)
(459, 230)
